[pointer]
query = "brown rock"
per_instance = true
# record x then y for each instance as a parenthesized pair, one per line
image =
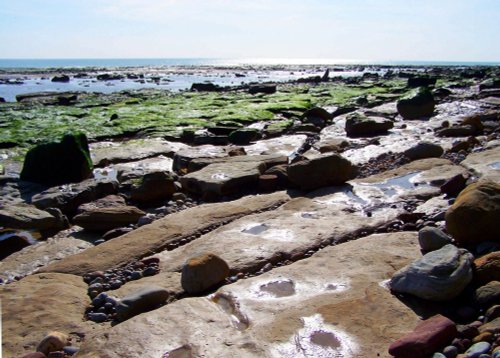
(493, 326)
(487, 268)
(454, 185)
(38, 303)
(268, 182)
(53, 342)
(322, 171)
(34, 355)
(108, 218)
(484, 337)
(154, 187)
(203, 272)
(473, 218)
(427, 338)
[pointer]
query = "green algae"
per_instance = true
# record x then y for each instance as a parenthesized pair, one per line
(161, 113)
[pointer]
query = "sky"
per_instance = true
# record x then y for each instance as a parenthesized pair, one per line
(365, 30)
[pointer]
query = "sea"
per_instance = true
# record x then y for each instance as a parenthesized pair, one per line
(22, 76)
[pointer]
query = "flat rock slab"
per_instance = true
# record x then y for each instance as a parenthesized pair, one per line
(154, 237)
(39, 304)
(284, 145)
(484, 164)
(34, 257)
(106, 153)
(333, 304)
(27, 217)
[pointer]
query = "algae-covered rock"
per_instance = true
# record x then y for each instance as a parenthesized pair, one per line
(59, 163)
(418, 103)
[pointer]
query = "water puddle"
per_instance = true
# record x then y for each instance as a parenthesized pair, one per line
(391, 187)
(230, 306)
(317, 339)
(219, 176)
(495, 165)
(255, 229)
(308, 215)
(105, 173)
(279, 289)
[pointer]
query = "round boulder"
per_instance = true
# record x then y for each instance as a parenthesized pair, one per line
(473, 218)
(203, 272)
(431, 238)
(487, 268)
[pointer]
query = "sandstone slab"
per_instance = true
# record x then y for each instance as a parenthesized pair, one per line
(318, 307)
(155, 237)
(27, 217)
(39, 304)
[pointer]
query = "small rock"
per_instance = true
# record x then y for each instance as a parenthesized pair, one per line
(419, 103)
(477, 349)
(142, 300)
(431, 238)
(429, 336)
(97, 317)
(70, 350)
(203, 272)
(487, 268)
(438, 355)
(492, 313)
(488, 294)
(34, 355)
(454, 185)
(484, 337)
(450, 351)
(424, 150)
(493, 326)
(53, 342)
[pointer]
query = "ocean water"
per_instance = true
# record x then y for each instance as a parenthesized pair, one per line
(142, 62)
(176, 73)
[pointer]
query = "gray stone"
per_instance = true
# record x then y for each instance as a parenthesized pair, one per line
(477, 349)
(424, 150)
(450, 351)
(431, 238)
(142, 300)
(97, 317)
(440, 275)
(438, 355)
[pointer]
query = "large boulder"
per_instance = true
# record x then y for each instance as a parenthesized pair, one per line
(417, 104)
(203, 272)
(358, 125)
(440, 275)
(325, 170)
(143, 300)
(428, 337)
(473, 218)
(58, 163)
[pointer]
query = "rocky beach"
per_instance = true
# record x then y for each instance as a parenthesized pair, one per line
(251, 211)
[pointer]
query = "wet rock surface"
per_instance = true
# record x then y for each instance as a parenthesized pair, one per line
(156, 270)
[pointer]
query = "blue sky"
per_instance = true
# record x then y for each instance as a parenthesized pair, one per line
(448, 30)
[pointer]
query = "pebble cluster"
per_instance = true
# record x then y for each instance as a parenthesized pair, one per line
(102, 308)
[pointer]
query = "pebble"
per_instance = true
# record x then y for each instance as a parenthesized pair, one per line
(478, 349)
(97, 317)
(450, 351)
(136, 275)
(150, 271)
(438, 355)
(70, 350)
